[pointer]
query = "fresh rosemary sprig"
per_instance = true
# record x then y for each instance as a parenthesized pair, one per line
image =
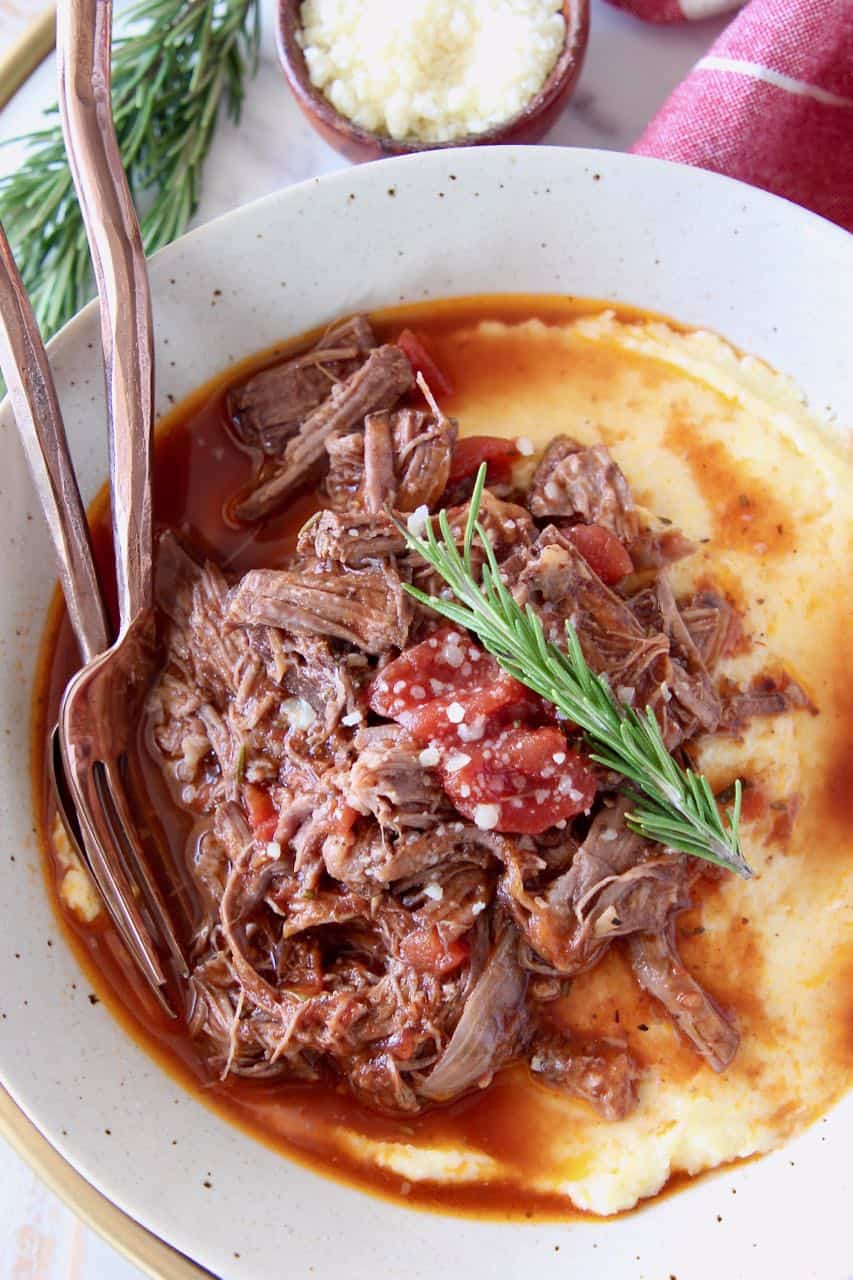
(674, 806)
(179, 61)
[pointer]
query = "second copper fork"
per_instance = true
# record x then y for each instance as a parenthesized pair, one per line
(103, 703)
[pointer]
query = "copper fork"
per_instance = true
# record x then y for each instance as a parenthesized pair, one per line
(35, 405)
(102, 705)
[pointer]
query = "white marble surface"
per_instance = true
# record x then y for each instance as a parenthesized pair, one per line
(629, 71)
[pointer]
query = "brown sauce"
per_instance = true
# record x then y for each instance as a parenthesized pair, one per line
(197, 466)
(746, 515)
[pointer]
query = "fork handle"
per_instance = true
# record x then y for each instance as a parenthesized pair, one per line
(25, 367)
(83, 49)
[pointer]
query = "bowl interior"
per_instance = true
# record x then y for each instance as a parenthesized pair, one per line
(705, 250)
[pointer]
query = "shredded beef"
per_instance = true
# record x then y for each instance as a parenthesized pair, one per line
(616, 885)
(556, 579)
(766, 695)
(713, 625)
(399, 460)
(659, 970)
(493, 1027)
(345, 478)
(657, 548)
(351, 537)
(215, 702)
(385, 376)
(602, 1072)
(364, 607)
(422, 449)
(507, 525)
(643, 644)
(697, 705)
(388, 781)
(269, 409)
(586, 483)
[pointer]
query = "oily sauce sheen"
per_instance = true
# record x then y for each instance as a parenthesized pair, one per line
(197, 467)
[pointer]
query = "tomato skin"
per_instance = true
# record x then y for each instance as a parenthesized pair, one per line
(497, 453)
(498, 698)
(427, 951)
(603, 552)
(419, 688)
(517, 772)
(416, 352)
(263, 818)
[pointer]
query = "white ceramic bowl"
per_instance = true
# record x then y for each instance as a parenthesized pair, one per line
(710, 252)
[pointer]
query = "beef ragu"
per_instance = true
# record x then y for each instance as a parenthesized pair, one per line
(393, 861)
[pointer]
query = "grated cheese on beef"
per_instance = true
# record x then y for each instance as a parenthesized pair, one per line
(486, 816)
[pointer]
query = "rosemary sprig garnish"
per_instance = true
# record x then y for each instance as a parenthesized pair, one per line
(673, 806)
(180, 60)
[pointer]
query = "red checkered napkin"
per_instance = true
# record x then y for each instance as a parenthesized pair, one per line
(771, 103)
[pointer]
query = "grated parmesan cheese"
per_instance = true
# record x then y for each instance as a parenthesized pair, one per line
(299, 712)
(456, 713)
(486, 816)
(429, 757)
(431, 70)
(417, 521)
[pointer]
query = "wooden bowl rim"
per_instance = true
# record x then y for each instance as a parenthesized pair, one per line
(315, 102)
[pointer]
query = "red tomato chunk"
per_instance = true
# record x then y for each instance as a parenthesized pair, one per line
(602, 551)
(471, 451)
(523, 780)
(449, 688)
(418, 356)
(263, 818)
(484, 732)
(426, 950)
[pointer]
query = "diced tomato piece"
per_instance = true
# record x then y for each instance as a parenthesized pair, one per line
(263, 818)
(427, 951)
(530, 776)
(448, 688)
(469, 714)
(347, 818)
(469, 452)
(603, 552)
(443, 662)
(416, 352)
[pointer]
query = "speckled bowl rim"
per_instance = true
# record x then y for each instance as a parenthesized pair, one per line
(691, 244)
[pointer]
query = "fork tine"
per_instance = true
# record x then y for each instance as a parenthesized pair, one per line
(140, 867)
(98, 837)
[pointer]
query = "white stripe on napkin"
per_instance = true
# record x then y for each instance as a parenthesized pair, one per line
(757, 72)
(695, 9)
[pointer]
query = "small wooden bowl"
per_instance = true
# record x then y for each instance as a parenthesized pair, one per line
(527, 125)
